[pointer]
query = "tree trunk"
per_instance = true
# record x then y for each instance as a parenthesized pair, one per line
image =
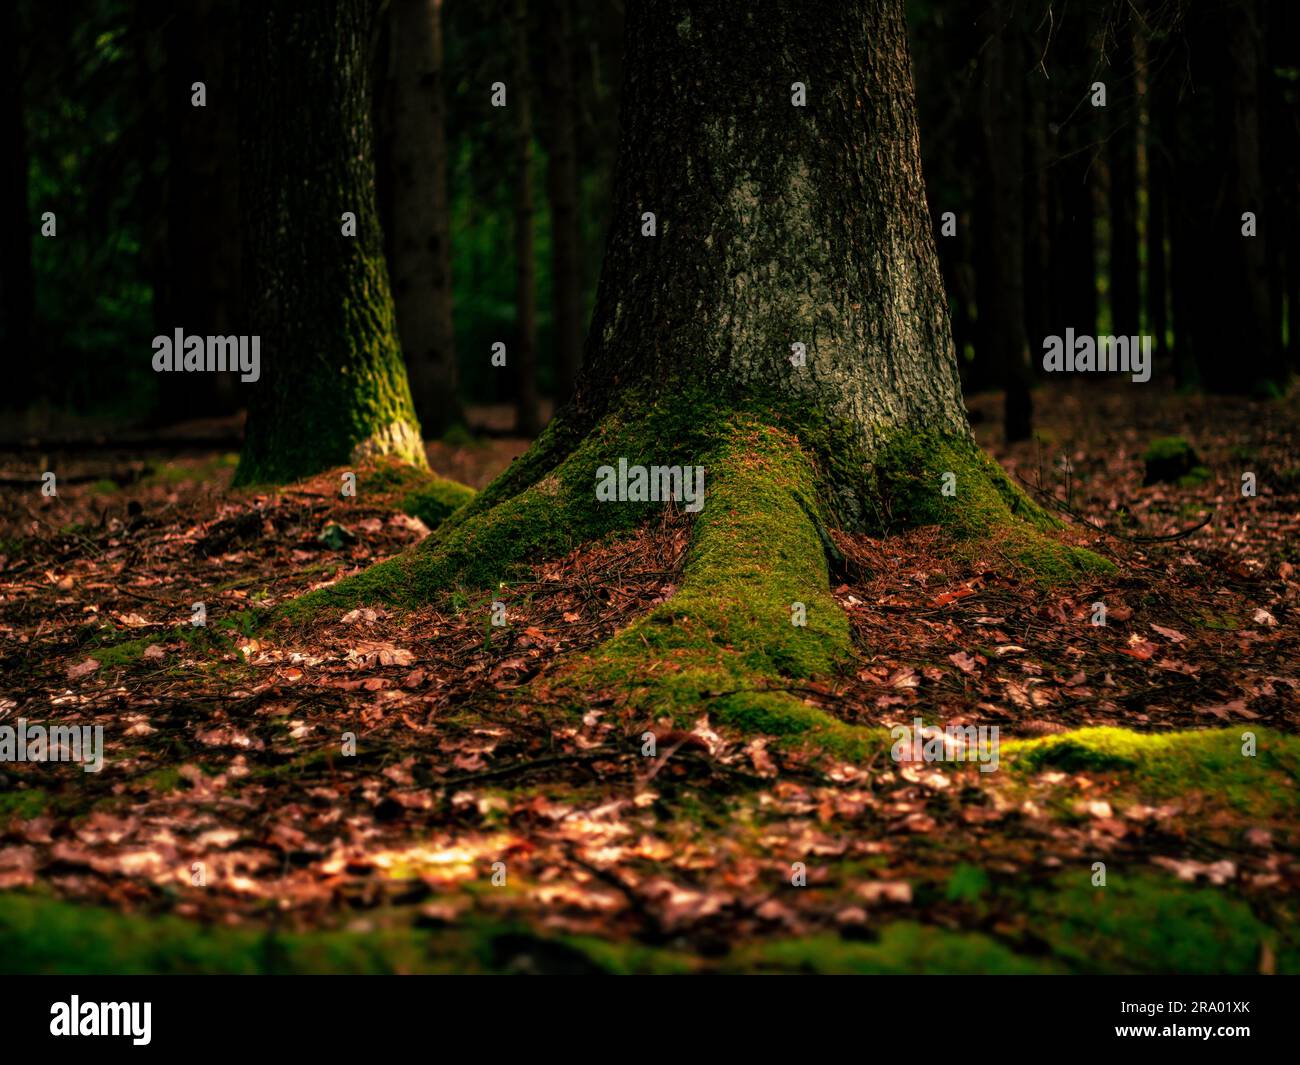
(1121, 150)
(17, 287)
(1001, 297)
(421, 213)
(202, 293)
(1074, 255)
(333, 390)
(527, 416)
(775, 224)
(562, 191)
(1221, 289)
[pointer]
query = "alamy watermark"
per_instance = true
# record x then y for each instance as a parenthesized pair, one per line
(956, 743)
(1086, 354)
(651, 484)
(59, 743)
(103, 1018)
(197, 354)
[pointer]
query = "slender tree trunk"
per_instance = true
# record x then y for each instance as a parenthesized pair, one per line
(562, 191)
(333, 390)
(1001, 281)
(1074, 255)
(527, 415)
(1037, 211)
(1220, 273)
(203, 285)
(1121, 149)
(17, 287)
(421, 214)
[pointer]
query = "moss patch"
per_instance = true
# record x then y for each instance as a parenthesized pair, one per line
(1178, 763)
(1149, 924)
(1171, 459)
(726, 642)
(921, 479)
(39, 935)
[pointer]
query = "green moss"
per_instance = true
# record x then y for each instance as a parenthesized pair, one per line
(1149, 924)
(1169, 458)
(904, 947)
(124, 653)
(1178, 763)
(437, 500)
(922, 479)
(23, 805)
(500, 534)
(40, 935)
(726, 642)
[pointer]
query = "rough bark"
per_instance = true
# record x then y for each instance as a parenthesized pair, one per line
(333, 389)
(527, 416)
(421, 213)
(776, 224)
(562, 192)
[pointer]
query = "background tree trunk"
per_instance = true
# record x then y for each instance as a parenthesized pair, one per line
(421, 213)
(1001, 296)
(1121, 153)
(777, 224)
(562, 191)
(333, 389)
(524, 356)
(17, 287)
(202, 292)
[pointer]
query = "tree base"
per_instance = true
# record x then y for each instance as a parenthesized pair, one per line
(753, 617)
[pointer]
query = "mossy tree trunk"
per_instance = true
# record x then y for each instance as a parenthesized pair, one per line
(333, 390)
(776, 224)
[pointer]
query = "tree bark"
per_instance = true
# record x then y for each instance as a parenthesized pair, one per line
(421, 213)
(333, 389)
(776, 224)
(527, 416)
(562, 191)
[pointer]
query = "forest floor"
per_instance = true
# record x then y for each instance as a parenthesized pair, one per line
(472, 830)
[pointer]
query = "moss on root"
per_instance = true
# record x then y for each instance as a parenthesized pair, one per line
(982, 507)
(413, 491)
(501, 532)
(1167, 764)
(727, 642)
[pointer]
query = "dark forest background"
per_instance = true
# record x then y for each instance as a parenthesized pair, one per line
(1119, 219)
